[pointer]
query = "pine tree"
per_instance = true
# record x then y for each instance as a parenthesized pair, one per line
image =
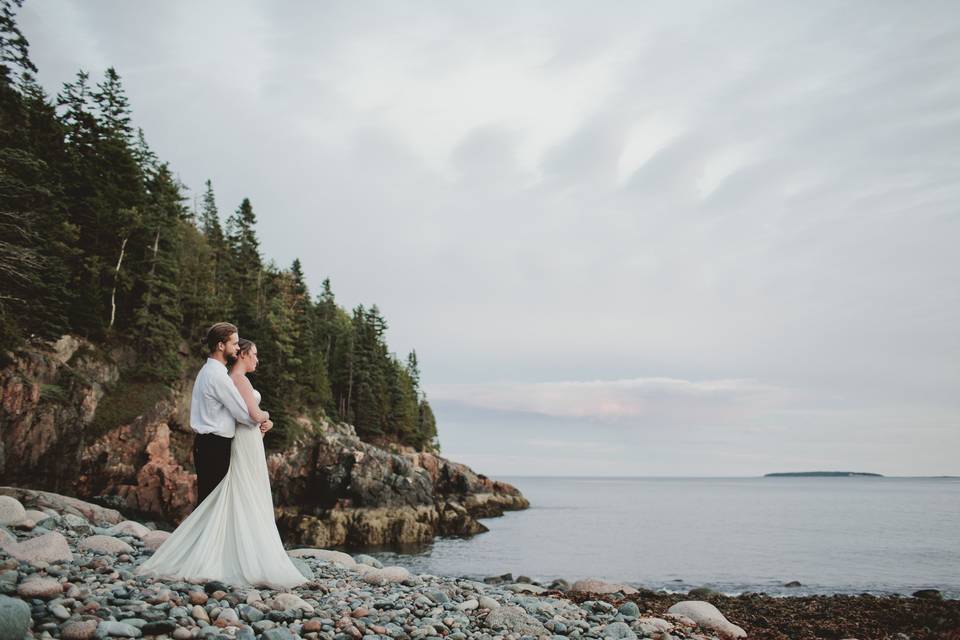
(427, 439)
(413, 369)
(144, 156)
(158, 318)
(245, 268)
(82, 130)
(115, 114)
(210, 224)
(14, 48)
(403, 404)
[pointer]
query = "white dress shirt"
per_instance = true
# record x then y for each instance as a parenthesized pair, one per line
(216, 405)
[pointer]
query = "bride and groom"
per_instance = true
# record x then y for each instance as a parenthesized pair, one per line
(231, 536)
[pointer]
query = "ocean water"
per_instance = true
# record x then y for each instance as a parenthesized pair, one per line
(833, 535)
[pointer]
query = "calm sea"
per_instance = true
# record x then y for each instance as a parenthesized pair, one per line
(833, 535)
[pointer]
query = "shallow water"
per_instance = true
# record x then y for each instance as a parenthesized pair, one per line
(833, 535)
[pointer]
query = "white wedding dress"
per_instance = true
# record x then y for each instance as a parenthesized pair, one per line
(231, 536)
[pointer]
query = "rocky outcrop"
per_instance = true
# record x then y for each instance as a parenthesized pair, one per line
(73, 425)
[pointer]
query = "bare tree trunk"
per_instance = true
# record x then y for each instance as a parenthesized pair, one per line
(153, 268)
(349, 386)
(116, 276)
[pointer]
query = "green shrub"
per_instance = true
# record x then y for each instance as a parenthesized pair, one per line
(54, 393)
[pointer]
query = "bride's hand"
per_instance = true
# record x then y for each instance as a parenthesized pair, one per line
(265, 426)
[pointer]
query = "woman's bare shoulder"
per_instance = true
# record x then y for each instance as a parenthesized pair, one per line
(241, 380)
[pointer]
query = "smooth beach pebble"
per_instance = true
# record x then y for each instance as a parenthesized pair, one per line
(59, 611)
(118, 629)
(619, 631)
(39, 588)
(80, 630)
(105, 544)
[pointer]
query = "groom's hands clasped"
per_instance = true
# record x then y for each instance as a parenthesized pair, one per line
(265, 426)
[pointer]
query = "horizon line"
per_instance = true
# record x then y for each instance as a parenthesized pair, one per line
(615, 477)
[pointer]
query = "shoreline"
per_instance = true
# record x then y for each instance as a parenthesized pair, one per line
(772, 591)
(68, 572)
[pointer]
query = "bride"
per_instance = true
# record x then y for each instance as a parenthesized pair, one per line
(232, 536)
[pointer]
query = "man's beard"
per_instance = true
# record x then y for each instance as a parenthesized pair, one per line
(231, 360)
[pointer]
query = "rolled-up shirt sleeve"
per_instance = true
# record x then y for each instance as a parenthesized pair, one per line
(228, 394)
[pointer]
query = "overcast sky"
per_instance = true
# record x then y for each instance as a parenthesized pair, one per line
(625, 238)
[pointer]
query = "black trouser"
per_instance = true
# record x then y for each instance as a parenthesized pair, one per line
(211, 457)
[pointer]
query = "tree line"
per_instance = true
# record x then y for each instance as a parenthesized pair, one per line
(96, 239)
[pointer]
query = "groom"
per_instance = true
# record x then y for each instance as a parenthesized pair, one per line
(215, 409)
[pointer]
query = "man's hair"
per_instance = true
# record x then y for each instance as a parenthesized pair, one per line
(218, 333)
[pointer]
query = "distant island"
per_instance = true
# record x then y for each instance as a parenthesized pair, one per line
(821, 474)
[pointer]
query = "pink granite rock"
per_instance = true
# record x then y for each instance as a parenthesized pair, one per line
(154, 539)
(50, 547)
(105, 544)
(39, 588)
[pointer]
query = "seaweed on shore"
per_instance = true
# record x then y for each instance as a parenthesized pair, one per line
(864, 617)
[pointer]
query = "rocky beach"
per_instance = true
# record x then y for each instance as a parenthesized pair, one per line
(66, 569)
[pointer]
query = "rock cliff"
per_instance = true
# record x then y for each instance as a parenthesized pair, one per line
(71, 423)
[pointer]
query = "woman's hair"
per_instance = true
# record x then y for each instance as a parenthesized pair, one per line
(244, 347)
(218, 333)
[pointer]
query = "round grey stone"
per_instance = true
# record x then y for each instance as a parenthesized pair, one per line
(118, 629)
(277, 633)
(514, 619)
(14, 618)
(619, 631)
(368, 560)
(250, 614)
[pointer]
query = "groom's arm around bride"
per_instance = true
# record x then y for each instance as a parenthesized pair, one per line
(216, 408)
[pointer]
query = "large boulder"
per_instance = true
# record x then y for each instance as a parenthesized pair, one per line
(50, 547)
(707, 616)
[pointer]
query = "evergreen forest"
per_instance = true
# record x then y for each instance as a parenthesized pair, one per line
(97, 239)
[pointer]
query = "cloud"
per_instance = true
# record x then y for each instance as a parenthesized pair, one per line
(659, 400)
(606, 212)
